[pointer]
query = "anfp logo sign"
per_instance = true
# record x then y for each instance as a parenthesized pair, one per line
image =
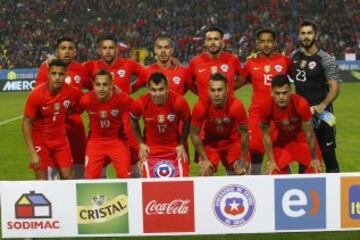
(300, 203)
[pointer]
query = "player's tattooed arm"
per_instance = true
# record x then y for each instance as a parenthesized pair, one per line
(266, 139)
(26, 129)
(244, 134)
(195, 138)
(310, 138)
(144, 149)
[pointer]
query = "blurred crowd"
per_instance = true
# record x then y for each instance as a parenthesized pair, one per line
(29, 28)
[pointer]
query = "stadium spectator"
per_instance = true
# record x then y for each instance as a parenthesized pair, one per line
(316, 78)
(293, 138)
(26, 43)
(163, 111)
(223, 120)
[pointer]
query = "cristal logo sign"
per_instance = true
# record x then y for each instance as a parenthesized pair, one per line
(175, 207)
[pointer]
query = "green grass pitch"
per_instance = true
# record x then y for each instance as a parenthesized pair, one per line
(14, 158)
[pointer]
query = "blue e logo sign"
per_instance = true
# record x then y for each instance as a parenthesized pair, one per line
(300, 203)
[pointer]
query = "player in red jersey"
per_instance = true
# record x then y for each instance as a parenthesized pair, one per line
(162, 111)
(215, 60)
(122, 70)
(76, 76)
(293, 138)
(179, 77)
(224, 120)
(105, 108)
(259, 72)
(44, 123)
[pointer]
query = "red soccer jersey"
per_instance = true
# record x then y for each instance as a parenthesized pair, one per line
(219, 124)
(179, 79)
(203, 66)
(76, 75)
(161, 122)
(106, 118)
(260, 71)
(288, 122)
(122, 70)
(50, 110)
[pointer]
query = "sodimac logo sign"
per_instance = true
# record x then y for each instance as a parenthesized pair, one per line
(168, 206)
(33, 211)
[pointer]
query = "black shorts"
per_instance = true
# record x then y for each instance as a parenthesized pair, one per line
(326, 136)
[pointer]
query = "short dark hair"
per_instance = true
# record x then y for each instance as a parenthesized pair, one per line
(265, 30)
(103, 72)
(279, 81)
(308, 23)
(110, 37)
(57, 63)
(217, 77)
(158, 77)
(64, 39)
(215, 29)
(164, 37)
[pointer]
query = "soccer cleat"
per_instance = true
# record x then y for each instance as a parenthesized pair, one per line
(328, 117)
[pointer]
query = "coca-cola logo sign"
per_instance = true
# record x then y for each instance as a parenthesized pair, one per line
(177, 206)
(165, 204)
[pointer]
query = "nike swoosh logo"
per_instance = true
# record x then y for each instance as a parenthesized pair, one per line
(201, 70)
(329, 143)
(44, 108)
(92, 113)
(256, 68)
(149, 119)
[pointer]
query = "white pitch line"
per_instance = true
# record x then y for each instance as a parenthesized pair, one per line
(10, 120)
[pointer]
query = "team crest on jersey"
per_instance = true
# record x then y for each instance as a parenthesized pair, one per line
(56, 107)
(234, 205)
(176, 80)
(267, 68)
(103, 114)
(224, 67)
(312, 65)
(294, 119)
(161, 118)
(164, 169)
(121, 73)
(213, 69)
(77, 79)
(66, 104)
(278, 68)
(68, 80)
(285, 122)
(114, 112)
(226, 120)
(303, 63)
(171, 117)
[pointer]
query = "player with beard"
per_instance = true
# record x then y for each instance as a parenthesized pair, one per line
(292, 138)
(76, 76)
(162, 146)
(259, 72)
(215, 60)
(122, 70)
(316, 77)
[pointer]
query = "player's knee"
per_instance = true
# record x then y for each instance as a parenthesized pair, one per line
(66, 174)
(207, 171)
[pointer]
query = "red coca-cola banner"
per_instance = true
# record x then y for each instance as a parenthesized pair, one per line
(168, 206)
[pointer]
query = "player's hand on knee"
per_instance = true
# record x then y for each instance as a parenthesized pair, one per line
(35, 160)
(144, 151)
(271, 166)
(181, 153)
(206, 168)
(316, 164)
(241, 167)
